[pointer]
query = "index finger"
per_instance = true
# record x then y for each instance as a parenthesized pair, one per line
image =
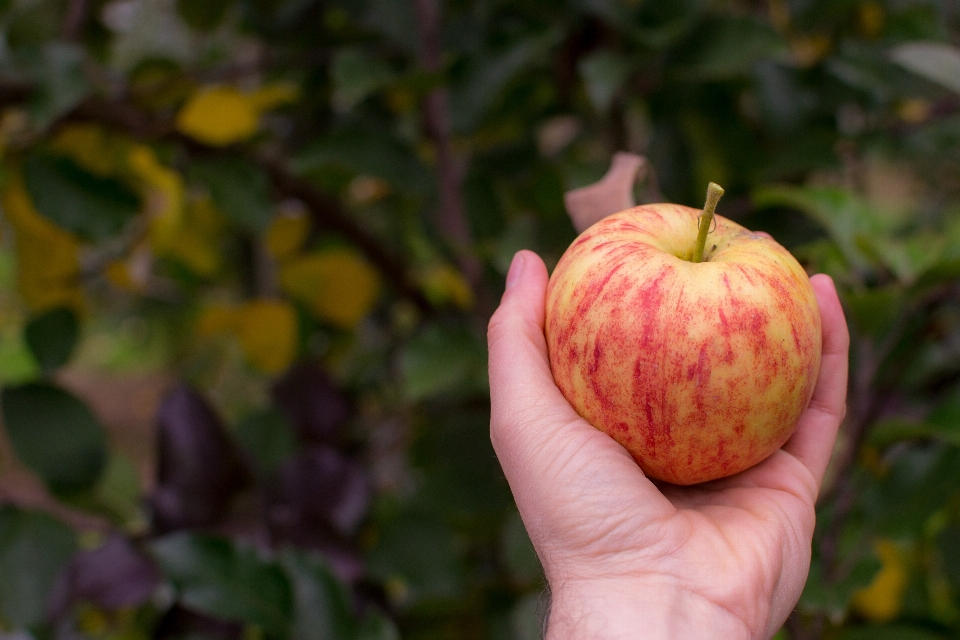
(812, 442)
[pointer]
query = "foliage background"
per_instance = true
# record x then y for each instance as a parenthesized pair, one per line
(248, 249)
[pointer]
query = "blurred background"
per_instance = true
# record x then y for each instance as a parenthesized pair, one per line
(248, 250)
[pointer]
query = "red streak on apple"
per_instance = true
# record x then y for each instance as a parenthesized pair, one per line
(700, 370)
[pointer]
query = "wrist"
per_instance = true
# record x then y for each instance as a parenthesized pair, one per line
(649, 609)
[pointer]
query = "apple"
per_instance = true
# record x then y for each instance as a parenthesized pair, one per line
(699, 365)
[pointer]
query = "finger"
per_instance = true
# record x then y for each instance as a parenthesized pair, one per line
(812, 442)
(525, 401)
(551, 457)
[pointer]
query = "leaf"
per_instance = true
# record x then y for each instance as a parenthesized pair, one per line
(377, 626)
(198, 469)
(90, 206)
(239, 189)
(218, 116)
(322, 608)
(267, 439)
(443, 284)
(338, 285)
(882, 599)
(729, 46)
(287, 233)
(62, 79)
(365, 152)
(56, 435)
(205, 15)
(845, 216)
(165, 195)
(52, 337)
(308, 398)
(479, 91)
(114, 576)
(418, 559)
(213, 576)
(356, 75)
(441, 361)
(603, 73)
(319, 488)
(33, 548)
(195, 238)
(48, 266)
(936, 61)
(267, 331)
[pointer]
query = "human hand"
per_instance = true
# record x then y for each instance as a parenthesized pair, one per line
(626, 557)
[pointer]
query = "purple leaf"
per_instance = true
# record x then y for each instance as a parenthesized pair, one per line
(311, 402)
(114, 576)
(199, 468)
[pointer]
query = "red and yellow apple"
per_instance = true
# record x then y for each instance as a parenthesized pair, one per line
(699, 369)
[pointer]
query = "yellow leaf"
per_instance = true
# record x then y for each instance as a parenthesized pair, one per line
(882, 599)
(164, 191)
(338, 285)
(48, 266)
(273, 95)
(287, 233)
(443, 284)
(215, 320)
(266, 330)
(92, 147)
(218, 116)
(195, 241)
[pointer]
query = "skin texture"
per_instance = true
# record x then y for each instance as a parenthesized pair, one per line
(700, 370)
(626, 557)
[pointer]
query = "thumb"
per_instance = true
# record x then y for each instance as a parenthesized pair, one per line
(526, 405)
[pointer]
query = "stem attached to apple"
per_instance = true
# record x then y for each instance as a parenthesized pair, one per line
(714, 191)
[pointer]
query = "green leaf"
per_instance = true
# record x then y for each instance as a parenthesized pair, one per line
(935, 61)
(322, 607)
(118, 493)
(480, 90)
(377, 626)
(205, 15)
(239, 189)
(729, 46)
(267, 439)
(52, 337)
(442, 361)
(419, 558)
(33, 548)
(62, 81)
(357, 75)
(873, 311)
(844, 215)
(603, 73)
(90, 206)
(213, 576)
(366, 153)
(56, 435)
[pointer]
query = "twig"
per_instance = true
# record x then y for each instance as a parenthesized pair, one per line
(75, 17)
(451, 219)
(325, 210)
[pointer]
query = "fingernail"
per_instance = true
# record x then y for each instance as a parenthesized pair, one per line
(516, 268)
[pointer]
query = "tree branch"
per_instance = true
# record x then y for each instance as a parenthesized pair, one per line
(325, 210)
(452, 218)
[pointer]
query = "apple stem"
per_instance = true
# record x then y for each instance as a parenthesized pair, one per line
(714, 191)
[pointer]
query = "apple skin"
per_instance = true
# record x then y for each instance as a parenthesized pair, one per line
(700, 370)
